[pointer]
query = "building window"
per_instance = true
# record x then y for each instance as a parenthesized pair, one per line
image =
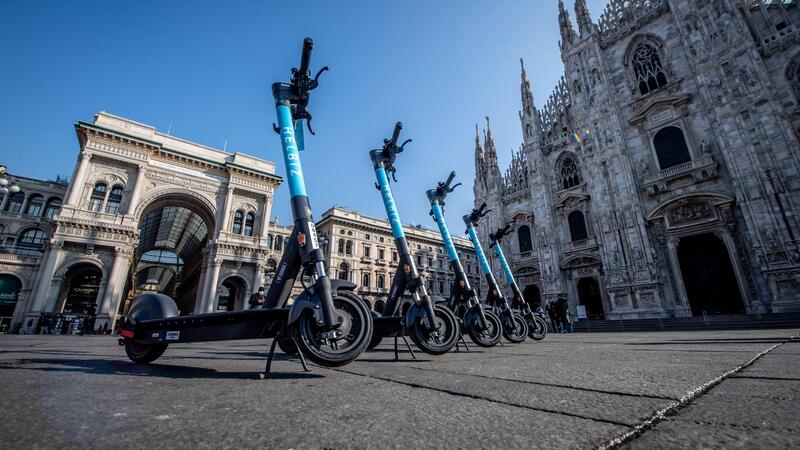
(441, 287)
(270, 240)
(52, 208)
(419, 260)
(341, 246)
(365, 280)
(647, 69)
(249, 220)
(114, 200)
(671, 148)
(430, 262)
(344, 271)
(348, 248)
(577, 226)
(32, 239)
(98, 197)
(238, 219)
(35, 203)
(394, 256)
(381, 253)
(366, 251)
(569, 172)
(279, 242)
(524, 239)
(381, 282)
(15, 202)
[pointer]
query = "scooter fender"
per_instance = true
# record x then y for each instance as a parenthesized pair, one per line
(507, 318)
(309, 300)
(415, 313)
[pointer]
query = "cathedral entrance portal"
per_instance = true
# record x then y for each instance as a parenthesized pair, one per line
(589, 295)
(532, 295)
(708, 276)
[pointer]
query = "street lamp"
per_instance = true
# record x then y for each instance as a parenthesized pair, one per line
(4, 187)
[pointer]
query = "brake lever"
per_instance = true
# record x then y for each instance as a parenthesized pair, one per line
(393, 176)
(401, 146)
(316, 77)
(308, 123)
(275, 128)
(454, 187)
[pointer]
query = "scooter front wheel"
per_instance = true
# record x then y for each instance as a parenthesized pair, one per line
(287, 346)
(446, 335)
(488, 337)
(143, 353)
(356, 333)
(516, 335)
(538, 329)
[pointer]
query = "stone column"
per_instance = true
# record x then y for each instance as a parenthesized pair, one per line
(51, 301)
(226, 216)
(258, 277)
(137, 190)
(672, 247)
(207, 305)
(117, 283)
(45, 279)
(265, 212)
(76, 186)
(751, 305)
(108, 294)
(4, 201)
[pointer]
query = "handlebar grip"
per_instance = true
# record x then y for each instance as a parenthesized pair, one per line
(396, 133)
(305, 59)
(450, 178)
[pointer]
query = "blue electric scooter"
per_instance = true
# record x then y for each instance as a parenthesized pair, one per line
(515, 329)
(483, 327)
(328, 323)
(537, 327)
(432, 327)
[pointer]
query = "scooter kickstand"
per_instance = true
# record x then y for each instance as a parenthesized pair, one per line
(396, 354)
(501, 343)
(463, 342)
(266, 372)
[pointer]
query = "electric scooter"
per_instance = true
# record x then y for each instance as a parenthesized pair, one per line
(433, 328)
(327, 323)
(483, 327)
(515, 329)
(537, 327)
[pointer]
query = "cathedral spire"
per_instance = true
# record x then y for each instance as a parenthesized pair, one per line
(478, 149)
(525, 89)
(488, 143)
(585, 25)
(565, 25)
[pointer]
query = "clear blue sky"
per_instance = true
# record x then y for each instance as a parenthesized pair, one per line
(439, 66)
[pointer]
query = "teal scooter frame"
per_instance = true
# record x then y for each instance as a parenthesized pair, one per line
(515, 329)
(483, 327)
(537, 327)
(432, 327)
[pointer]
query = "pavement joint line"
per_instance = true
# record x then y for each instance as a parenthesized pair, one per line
(484, 398)
(685, 401)
(565, 386)
(756, 377)
(739, 425)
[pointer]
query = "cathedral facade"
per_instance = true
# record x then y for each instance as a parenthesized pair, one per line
(661, 178)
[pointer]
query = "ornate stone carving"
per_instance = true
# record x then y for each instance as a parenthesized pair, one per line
(689, 212)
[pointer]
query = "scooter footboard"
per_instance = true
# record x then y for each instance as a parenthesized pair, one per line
(248, 324)
(386, 326)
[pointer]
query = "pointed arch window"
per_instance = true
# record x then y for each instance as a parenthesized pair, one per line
(98, 197)
(238, 219)
(577, 226)
(671, 148)
(569, 173)
(249, 220)
(524, 239)
(647, 69)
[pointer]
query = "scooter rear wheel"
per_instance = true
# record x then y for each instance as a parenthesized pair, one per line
(287, 346)
(448, 328)
(538, 329)
(142, 353)
(356, 328)
(518, 335)
(374, 342)
(488, 337)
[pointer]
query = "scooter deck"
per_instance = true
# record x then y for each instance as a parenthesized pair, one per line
(246, 324)
(387, 326)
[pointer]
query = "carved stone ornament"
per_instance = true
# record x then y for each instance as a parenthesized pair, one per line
(690, 212)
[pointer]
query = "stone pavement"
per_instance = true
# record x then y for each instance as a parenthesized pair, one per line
(569, 391)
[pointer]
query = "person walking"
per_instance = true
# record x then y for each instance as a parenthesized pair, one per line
(563, 315)
(550, 308)
(257, 300)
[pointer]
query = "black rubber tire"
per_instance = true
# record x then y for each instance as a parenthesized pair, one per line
(537, 330)
(287, 346)
(374, 342)
(143, 354)
(448, 327)
(520, 334)
(489, 337)
(357, 327)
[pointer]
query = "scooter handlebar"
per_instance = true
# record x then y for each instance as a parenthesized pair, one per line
(305, 58)
(396, 133)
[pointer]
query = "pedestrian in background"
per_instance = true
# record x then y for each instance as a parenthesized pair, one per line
(550, 308)
(257, 300)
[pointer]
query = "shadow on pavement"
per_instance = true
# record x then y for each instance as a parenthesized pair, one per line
(776, 340)
(106, 367)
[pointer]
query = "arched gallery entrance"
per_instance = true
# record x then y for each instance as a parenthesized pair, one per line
(589, 296)
(9, 294)
(81, 288)
(231, 295)
(708, 276)
(173, 230)
(532, 296)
